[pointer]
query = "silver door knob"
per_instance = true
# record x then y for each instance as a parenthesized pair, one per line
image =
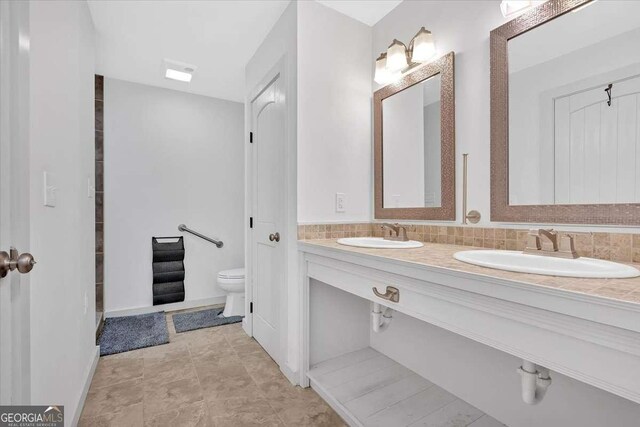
(275, 237)
(11, 261)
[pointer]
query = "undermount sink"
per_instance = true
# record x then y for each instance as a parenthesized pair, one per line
(546, 265)
(379, 243)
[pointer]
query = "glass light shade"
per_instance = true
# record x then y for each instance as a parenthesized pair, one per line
(424, 47)
(382, 75)
(512, 7)
(396, 56)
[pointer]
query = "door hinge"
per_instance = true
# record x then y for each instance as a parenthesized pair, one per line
(250, 222)
(251, 137)
(250, 307)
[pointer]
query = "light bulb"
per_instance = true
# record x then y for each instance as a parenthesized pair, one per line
(382, 75)
(424, 47)
(396, 56)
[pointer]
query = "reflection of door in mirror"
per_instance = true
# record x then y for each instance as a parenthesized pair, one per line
(411, 148)
(574, 108)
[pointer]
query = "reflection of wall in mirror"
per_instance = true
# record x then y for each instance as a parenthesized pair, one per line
(403, 149)
(536, 159)
(432, 143)
(597, 145)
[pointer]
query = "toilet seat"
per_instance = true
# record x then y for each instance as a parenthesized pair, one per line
(235, 273)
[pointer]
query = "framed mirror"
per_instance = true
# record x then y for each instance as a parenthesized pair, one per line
(414, 144)
(565, 114)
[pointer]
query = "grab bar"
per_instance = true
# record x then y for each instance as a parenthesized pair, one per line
(183, 227)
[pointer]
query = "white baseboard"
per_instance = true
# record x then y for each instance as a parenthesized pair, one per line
(291, 375)
(87, 385)
(166, 307)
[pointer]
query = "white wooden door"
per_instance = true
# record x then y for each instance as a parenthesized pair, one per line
(14, 200)
(597, 146)
(268, 188)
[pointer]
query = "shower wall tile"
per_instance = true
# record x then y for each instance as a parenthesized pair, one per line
(99, 268)
(99, 108)
(99, 88)
(100, 177)
(99, 146)
(99, 194)
(99, 207)
(99, 237)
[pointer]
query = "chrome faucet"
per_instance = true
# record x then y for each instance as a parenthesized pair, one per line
(396, 232)
(554, 244)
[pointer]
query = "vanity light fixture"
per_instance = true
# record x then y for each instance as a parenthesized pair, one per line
(514, 7)
(399, 58)
(179, 71)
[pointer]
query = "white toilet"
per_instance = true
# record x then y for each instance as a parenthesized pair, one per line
(232, 282)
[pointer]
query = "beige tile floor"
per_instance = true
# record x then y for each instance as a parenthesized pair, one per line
(209, 377)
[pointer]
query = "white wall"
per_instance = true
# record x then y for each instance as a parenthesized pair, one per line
(462, 27)
(280, 47)
(62, 238)
(170, 158)
(334, 115)
(331, 336)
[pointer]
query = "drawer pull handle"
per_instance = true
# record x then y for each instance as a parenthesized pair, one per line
(392, 294)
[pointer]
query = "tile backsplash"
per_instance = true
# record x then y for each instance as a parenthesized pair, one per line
(623, 247)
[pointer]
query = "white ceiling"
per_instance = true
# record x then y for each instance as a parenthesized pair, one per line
(218, 37)
(367, 11)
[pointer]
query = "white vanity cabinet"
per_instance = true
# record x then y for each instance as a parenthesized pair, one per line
(593, 340)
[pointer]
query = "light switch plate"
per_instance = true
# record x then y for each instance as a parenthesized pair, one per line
(341, 202)
(50, 189)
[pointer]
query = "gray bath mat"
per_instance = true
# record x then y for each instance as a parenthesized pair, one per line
(120, 334)
(202, 319)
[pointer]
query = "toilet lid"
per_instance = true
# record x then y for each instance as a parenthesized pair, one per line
(236, 273)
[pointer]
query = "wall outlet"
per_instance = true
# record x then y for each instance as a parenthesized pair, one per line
(341, 204)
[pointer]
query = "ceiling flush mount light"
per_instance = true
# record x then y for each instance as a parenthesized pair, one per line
(179, 71)
(510, 8)
(399, 58)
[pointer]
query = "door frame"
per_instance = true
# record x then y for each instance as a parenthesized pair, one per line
(15, 356)
(287, 355)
